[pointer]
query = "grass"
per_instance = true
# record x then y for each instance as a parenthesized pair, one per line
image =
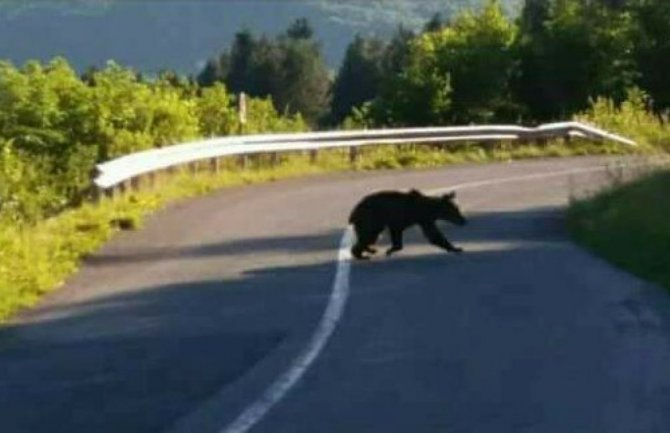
(38, 258)
(629, 225)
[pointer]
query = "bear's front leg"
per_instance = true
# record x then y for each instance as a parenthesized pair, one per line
(396, 240)
(366, 236)
(357, 251)
(435, 237)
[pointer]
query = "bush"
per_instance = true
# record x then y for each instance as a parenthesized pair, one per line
(632, 118)
(54, 127)
(628, 225)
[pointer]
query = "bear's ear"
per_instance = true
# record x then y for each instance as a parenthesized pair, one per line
(450, 196)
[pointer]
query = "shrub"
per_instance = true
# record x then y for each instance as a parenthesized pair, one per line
(631, 118)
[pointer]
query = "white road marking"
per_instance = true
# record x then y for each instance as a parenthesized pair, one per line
(328, 323)
(477, 184)
(333, 313)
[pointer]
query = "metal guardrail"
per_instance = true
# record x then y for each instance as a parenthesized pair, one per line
(126, 168)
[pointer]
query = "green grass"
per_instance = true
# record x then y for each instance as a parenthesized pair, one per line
(37, 258)
(629, 225)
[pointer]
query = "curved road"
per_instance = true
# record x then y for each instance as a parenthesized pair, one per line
(181, 326)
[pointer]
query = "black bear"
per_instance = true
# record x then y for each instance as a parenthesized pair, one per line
(397, 211)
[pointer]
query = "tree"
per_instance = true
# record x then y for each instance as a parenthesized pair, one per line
(289, 69)
(359, 77)
(652, 50)
(216, 112)
(300, 29)
(172, 78)
(385, 109)
(255, 65)
(579, 51)
(88, 75)
(459, 74)
(616, 4)
(398, 50)
(241, 63)
(477, 51)
(533, 16)
(45, 109)
(303, 81)
(436, 23)
(215, 70)
(264, 77)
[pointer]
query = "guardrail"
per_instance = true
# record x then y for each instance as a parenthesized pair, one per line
(120, 171)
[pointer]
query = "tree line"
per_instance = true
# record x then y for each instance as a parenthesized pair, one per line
(482, 66)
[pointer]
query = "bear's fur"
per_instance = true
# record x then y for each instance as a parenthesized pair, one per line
(397, 211)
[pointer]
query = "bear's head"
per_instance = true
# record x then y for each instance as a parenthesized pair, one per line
(448, 210)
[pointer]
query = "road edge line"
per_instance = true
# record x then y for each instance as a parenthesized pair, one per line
(329, 321)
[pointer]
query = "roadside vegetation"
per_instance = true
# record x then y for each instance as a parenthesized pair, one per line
(481, 67)
(629, 226)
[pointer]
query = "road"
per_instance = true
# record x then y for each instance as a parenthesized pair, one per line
(182, 326)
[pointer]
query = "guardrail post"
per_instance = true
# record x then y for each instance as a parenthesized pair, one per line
(313, 155)
(243, 161)
(353, 155)
(135, 183)
(151, 178)
(193, 168)
(123, 187)
(274, 159)
(96, 192)
(214, 166)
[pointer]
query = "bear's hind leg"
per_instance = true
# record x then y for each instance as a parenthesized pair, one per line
(396, 241)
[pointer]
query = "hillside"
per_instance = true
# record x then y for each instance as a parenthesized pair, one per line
(151, 34)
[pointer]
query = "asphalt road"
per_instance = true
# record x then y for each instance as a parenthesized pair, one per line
(182, 325)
